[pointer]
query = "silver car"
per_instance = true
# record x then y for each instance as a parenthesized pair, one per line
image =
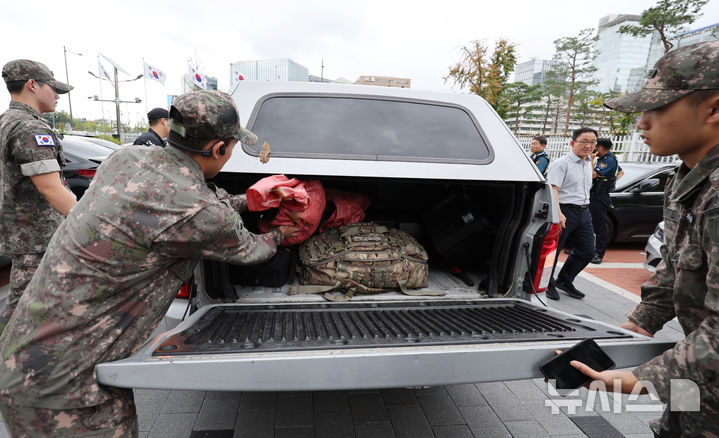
(653, 248)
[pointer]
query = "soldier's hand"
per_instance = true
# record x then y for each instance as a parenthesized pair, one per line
(625, 379)
(289, 232)
(635, 328)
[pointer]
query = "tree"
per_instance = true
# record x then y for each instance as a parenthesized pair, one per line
(553, 88)
(575, 55)
(60, 117)
(667, 18)
(516, 101)
(484, 74)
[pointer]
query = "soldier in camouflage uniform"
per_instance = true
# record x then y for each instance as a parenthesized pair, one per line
(115, 265)
(34, 198)
(680, 115)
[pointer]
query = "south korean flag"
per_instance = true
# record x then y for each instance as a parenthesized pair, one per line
(44, 140)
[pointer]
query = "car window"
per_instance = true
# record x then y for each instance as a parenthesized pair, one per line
(662, 177)
(371, 128)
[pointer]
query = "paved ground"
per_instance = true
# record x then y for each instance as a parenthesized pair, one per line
(500, 409)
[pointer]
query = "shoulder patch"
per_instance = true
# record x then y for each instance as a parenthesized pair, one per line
(44, 140)
(603, 165)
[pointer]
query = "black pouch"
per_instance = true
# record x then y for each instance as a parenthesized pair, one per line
(275, 272)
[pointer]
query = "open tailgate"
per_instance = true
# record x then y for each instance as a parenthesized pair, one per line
(351, 345)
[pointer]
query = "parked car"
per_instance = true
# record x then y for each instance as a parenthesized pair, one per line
(637, 201)
(98, 141)
(653, 248)
(411, 152)
(82, 158)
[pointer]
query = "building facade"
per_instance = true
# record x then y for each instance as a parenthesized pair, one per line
(656, 50)
(617, 54)
(384, 81)
(277, 69)
(534, 71)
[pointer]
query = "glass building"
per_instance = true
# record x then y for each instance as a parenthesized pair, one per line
(277, 69)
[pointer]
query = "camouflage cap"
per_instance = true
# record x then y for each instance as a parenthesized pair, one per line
(207, 115)
(24, 69)
(676, 74)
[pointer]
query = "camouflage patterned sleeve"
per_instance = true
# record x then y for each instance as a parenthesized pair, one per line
(696, 357)
(238, 202)
(34, 149)
(217, 232)
(657, 305)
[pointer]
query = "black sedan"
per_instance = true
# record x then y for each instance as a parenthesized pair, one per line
(637, 201)
(82, 158)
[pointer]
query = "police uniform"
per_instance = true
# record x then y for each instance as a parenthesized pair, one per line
(28, 147)
(607, 169)
(150, 138)
(111, 272)
(685, 284)
(541, 160)
(573, 176)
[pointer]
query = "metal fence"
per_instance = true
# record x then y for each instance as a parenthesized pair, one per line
(626, 147)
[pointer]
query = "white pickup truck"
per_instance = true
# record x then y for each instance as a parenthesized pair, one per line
(410, 152)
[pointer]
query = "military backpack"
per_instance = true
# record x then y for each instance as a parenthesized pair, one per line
(361, 258)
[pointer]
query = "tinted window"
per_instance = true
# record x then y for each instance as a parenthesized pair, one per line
(370, 128)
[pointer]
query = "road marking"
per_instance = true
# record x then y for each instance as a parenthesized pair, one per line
(612, 287)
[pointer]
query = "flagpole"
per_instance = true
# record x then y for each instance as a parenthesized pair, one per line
(144, 81)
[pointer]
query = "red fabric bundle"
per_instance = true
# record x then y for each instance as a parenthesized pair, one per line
(294, 198)
(349, 208)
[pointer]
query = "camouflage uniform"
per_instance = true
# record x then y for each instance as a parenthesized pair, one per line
(686, 282)
(28, 147)
(115, 265)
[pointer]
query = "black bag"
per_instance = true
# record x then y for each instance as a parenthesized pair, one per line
(457, 227)
(275, 272)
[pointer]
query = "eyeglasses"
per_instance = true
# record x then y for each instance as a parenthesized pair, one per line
(587, 142)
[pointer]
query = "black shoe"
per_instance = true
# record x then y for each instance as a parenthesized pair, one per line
(569, 289)
(597, 259)
(552, 293)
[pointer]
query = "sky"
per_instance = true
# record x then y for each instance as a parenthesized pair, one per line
(414, 39)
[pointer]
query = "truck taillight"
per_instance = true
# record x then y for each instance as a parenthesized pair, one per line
(184, 292)
(549, 245)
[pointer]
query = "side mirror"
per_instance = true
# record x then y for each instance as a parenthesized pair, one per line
(645, 185)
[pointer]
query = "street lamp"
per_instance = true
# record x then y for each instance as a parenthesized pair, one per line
(117, 97)
(67, 79)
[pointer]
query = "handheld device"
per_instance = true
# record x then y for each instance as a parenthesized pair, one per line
(568, 377)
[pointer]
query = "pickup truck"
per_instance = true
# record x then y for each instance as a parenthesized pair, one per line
(409, 151)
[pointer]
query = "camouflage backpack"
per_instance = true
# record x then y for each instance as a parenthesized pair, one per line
(361, 258)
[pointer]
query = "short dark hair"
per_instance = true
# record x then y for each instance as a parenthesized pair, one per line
(196, 144)
(582, 130)
(699, 96)
(541, 139)
(15, 87)
(605, 143)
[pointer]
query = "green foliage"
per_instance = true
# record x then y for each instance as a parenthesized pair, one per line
(516, 101)
(484, 74)
(575, 55)
(60, 117)
(617, 123)
(667, 18)
(109, 138)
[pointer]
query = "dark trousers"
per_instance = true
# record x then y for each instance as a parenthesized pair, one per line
(598, 206)
(579, 229)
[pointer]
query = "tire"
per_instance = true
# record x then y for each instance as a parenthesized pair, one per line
(610, 229)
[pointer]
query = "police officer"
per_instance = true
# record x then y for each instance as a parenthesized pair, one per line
(35, 197)
(604, 177)
(159, 128)
(115, 265)
(539, 156)
(571, 179)
(680, 115)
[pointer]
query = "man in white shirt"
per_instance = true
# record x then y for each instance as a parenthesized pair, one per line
(571, 179)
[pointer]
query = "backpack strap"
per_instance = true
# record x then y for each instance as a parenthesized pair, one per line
(418, 293)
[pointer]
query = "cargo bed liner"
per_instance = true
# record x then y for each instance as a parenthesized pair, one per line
(240, 329)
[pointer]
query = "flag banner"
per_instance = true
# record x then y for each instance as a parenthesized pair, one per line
(103, 73)
(154, 73)
(196, 78)
(236, 76)
(114, 64)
